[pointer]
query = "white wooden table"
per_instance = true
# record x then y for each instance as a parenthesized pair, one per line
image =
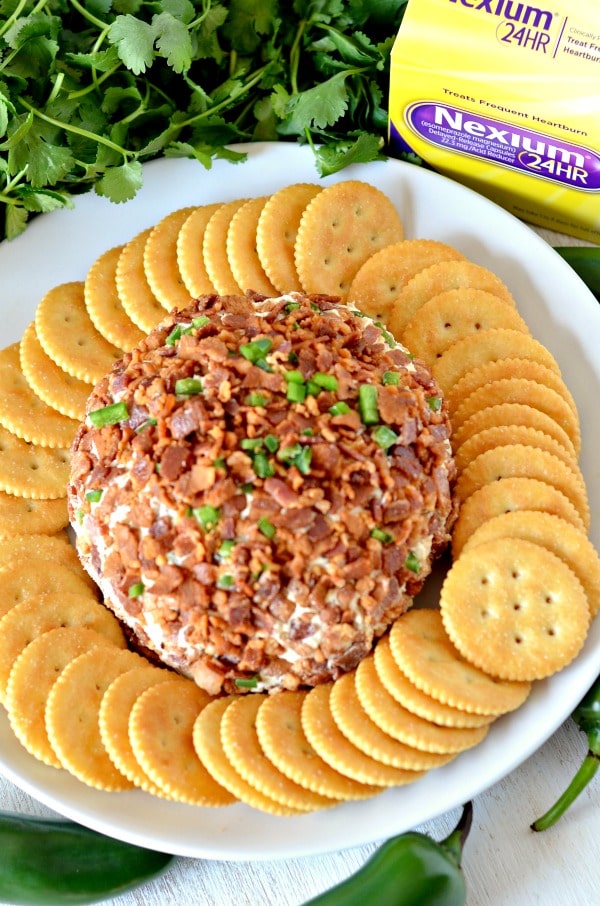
(505, 863)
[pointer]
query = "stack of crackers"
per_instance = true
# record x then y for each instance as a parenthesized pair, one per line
(515, 605)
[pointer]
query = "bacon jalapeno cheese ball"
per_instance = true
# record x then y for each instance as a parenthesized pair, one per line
(260, 489)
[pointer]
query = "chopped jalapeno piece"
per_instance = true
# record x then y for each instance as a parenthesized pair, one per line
(312, 388)
(136, 590)
(174, 335)
(109, 415)
(326, 381)
(251, 443)
(225, 581)
(385, 437)
(225, 549)
(256, 350)
(412, 563)
(287, 454)
(367, 404)
(93, 496)
(207, 516)
(256, 399)
(271, 443)
(382, 536)
(391, 378)
(188, 386)
(250, 682)
(292, 306)
(434, 403)
(302, 461)
(262, 466)
(294, 377)
(267, 528)
(220, 463)
(200, 321)
(296, 393)
(339, 408)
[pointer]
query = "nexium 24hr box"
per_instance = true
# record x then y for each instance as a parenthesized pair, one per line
(504, 97)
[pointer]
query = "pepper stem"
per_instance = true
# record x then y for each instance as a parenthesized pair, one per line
(588, 768)
(455, 841)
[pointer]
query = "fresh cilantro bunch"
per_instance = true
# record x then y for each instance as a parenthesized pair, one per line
(90, 89)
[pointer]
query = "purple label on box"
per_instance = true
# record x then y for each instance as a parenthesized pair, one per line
(506, 144)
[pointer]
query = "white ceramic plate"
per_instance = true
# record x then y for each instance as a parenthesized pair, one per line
(561, 313)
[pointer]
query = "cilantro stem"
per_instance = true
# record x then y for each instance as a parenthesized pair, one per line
(295, 56)
(76, 130)
(212, 111)
(87, 15)
(97, 81)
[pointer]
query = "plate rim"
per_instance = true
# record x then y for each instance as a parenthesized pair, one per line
(39, 781)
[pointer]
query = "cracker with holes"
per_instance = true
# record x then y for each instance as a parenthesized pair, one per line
(242, 255)
(422, 649)
(282, 739)
(27, 578)
(160, 261)
(209, 748)
(242, 748)
(28, 470)
(43, 611)
(67, 335)
(382, 277)
(24, 413)
(400, 723)
(33, 675)
(56, 547)
(276, 233)
(498, 369)
(509, 415)
(137, 298)
(214, 248)
(558, 535)
(190, 259)
(440, 278)
(161, 728)
(27, 516)
(72, 712)
(502, 435)
(363, 732)
(113, 718)
(63, 392)
(455, 314)
(524, 392)
(104, 305)
(340, 229)
(414, 699)
(506, 495)
(514, 609)
(521, 461)
(336, 750)
(486, 346)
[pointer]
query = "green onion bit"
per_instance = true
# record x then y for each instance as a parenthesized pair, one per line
(412, 563)
(382, 536)
(385, 437)
(136, 590)
(267, 528)
(109, 415)
(188, 386)
(367, 404)
(93, 496)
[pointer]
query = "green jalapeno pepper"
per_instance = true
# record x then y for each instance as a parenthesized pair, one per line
(585, 261)
(587, 717)
(408, 870)
(47, 861)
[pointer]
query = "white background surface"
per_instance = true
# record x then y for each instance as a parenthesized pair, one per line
(504, 861)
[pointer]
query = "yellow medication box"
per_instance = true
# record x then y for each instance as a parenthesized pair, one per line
(504, 96)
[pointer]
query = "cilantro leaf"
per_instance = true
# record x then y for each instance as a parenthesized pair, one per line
(173, 41)
(336, 155)
(318, 107)
(134, 40)
(121, 183)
